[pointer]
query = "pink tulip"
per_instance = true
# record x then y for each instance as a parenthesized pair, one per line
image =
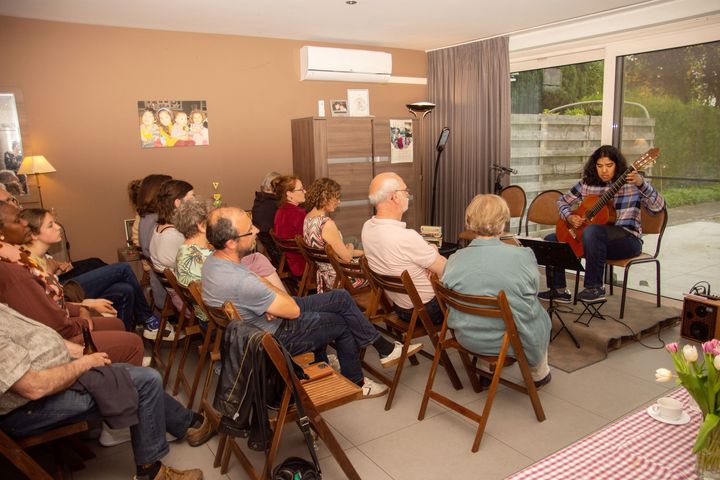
(711, 346)
(672, 347)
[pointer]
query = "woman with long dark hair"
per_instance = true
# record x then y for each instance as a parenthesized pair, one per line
(112, 289)
(621, 239)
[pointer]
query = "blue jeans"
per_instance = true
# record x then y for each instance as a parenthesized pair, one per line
(432, 308)
(329, 317)
(598, 246)
(158, 413)
(117, 283)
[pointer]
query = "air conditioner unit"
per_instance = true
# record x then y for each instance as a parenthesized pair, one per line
(343, 65)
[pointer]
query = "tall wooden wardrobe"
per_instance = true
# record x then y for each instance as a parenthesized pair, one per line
(351, 151)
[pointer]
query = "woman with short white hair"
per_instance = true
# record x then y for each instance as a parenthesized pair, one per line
(487, 266)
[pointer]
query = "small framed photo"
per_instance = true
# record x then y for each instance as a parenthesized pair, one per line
(128, 231)
(339, 108)
(358, 102)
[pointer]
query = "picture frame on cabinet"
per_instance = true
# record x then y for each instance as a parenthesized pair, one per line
(358, 100)
(339, 108)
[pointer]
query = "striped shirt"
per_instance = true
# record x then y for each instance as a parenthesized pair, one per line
(627, 202)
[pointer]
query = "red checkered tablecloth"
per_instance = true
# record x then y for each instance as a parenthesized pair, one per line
(633, 448)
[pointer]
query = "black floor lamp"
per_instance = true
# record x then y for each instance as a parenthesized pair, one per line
(444, 135)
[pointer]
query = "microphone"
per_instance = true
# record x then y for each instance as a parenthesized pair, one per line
(504, 169)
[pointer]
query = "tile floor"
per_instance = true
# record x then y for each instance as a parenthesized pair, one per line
(395, 445)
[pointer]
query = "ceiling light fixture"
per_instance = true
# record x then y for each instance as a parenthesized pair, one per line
(351, 2)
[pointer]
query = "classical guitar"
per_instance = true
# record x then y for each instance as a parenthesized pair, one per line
(593, 209)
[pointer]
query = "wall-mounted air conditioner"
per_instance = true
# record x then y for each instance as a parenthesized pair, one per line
(343, 65)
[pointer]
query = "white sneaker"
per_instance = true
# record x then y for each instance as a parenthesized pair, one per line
(110, 437)
(394, 357)
(372, 389)
(169, 335)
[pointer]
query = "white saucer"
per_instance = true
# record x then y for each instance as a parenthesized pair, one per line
(684, 418)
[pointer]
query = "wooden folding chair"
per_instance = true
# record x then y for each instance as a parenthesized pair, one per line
(312, 257)
(186, 328)
(345, 272)
(14, 449)
(209, 353)
(286, 245)
(495, 307)
(317, 395)
(380, 310)
(168, 310)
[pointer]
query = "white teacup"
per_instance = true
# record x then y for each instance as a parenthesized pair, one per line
(668, 408)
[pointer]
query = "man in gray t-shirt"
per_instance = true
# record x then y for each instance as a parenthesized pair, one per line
(300, 324)
(37, 367)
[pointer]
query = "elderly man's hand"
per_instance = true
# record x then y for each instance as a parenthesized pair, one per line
(98, 359)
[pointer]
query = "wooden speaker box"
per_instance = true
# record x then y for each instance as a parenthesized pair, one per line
(700, 318)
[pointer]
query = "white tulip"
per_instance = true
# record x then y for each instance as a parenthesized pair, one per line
(690, 353)
(716, 362)
(663, 375)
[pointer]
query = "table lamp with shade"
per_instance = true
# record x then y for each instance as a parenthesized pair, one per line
(36, 165)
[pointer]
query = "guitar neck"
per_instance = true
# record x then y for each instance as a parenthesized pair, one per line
(609, 193)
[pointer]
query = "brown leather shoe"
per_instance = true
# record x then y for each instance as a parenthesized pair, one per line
(203, 433)
(169, 473)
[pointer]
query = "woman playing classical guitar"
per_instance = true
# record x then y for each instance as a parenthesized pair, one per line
(605, 169)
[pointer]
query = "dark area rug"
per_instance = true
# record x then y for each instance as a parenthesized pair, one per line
(644, 318)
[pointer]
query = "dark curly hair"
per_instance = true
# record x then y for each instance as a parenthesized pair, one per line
(282, 185)
(320, 192)
(590, 175)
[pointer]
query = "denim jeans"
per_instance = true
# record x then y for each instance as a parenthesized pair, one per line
(329, 317)
(158, 413)
(597, 248)
(432, 308)
(117, 283)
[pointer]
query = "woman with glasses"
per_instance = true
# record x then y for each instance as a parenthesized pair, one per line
(290, 217)
(323, 197)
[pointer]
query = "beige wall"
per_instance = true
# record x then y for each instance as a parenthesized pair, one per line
(80, 84)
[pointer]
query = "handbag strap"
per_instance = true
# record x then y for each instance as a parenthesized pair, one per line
(303, 421)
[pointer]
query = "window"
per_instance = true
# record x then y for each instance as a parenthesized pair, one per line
(555, 125)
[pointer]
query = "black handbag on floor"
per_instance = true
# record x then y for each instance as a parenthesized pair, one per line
(295, 468)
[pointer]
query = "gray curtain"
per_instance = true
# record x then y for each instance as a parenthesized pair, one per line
(470, 84)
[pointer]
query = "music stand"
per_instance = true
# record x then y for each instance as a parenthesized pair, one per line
(557, 255)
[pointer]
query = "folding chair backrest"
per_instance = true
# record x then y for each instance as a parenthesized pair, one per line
(482, 306)
(312, 257)
(381, 284)
(216, 315)
(181, 290)
(543, 209)
(654, 224)
(515, 197)
(344, 271)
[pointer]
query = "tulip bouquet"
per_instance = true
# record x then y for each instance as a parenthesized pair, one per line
(702, 381)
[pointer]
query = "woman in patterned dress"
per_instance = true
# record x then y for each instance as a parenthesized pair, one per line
(319, 229)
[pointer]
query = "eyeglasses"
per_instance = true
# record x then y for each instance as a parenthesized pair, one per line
(251, 232)
(406, 190)
(298, 190)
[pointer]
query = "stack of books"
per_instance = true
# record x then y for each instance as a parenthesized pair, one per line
(432, 234)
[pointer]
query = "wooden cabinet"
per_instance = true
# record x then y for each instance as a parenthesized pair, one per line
(351, 151)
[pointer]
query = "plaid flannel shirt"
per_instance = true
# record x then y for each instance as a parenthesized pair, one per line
(627, 202)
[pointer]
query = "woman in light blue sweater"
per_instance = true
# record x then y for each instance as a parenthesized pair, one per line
(487, 266)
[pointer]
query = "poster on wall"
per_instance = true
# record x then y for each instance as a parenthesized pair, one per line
(173, 123)
(401, 141)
